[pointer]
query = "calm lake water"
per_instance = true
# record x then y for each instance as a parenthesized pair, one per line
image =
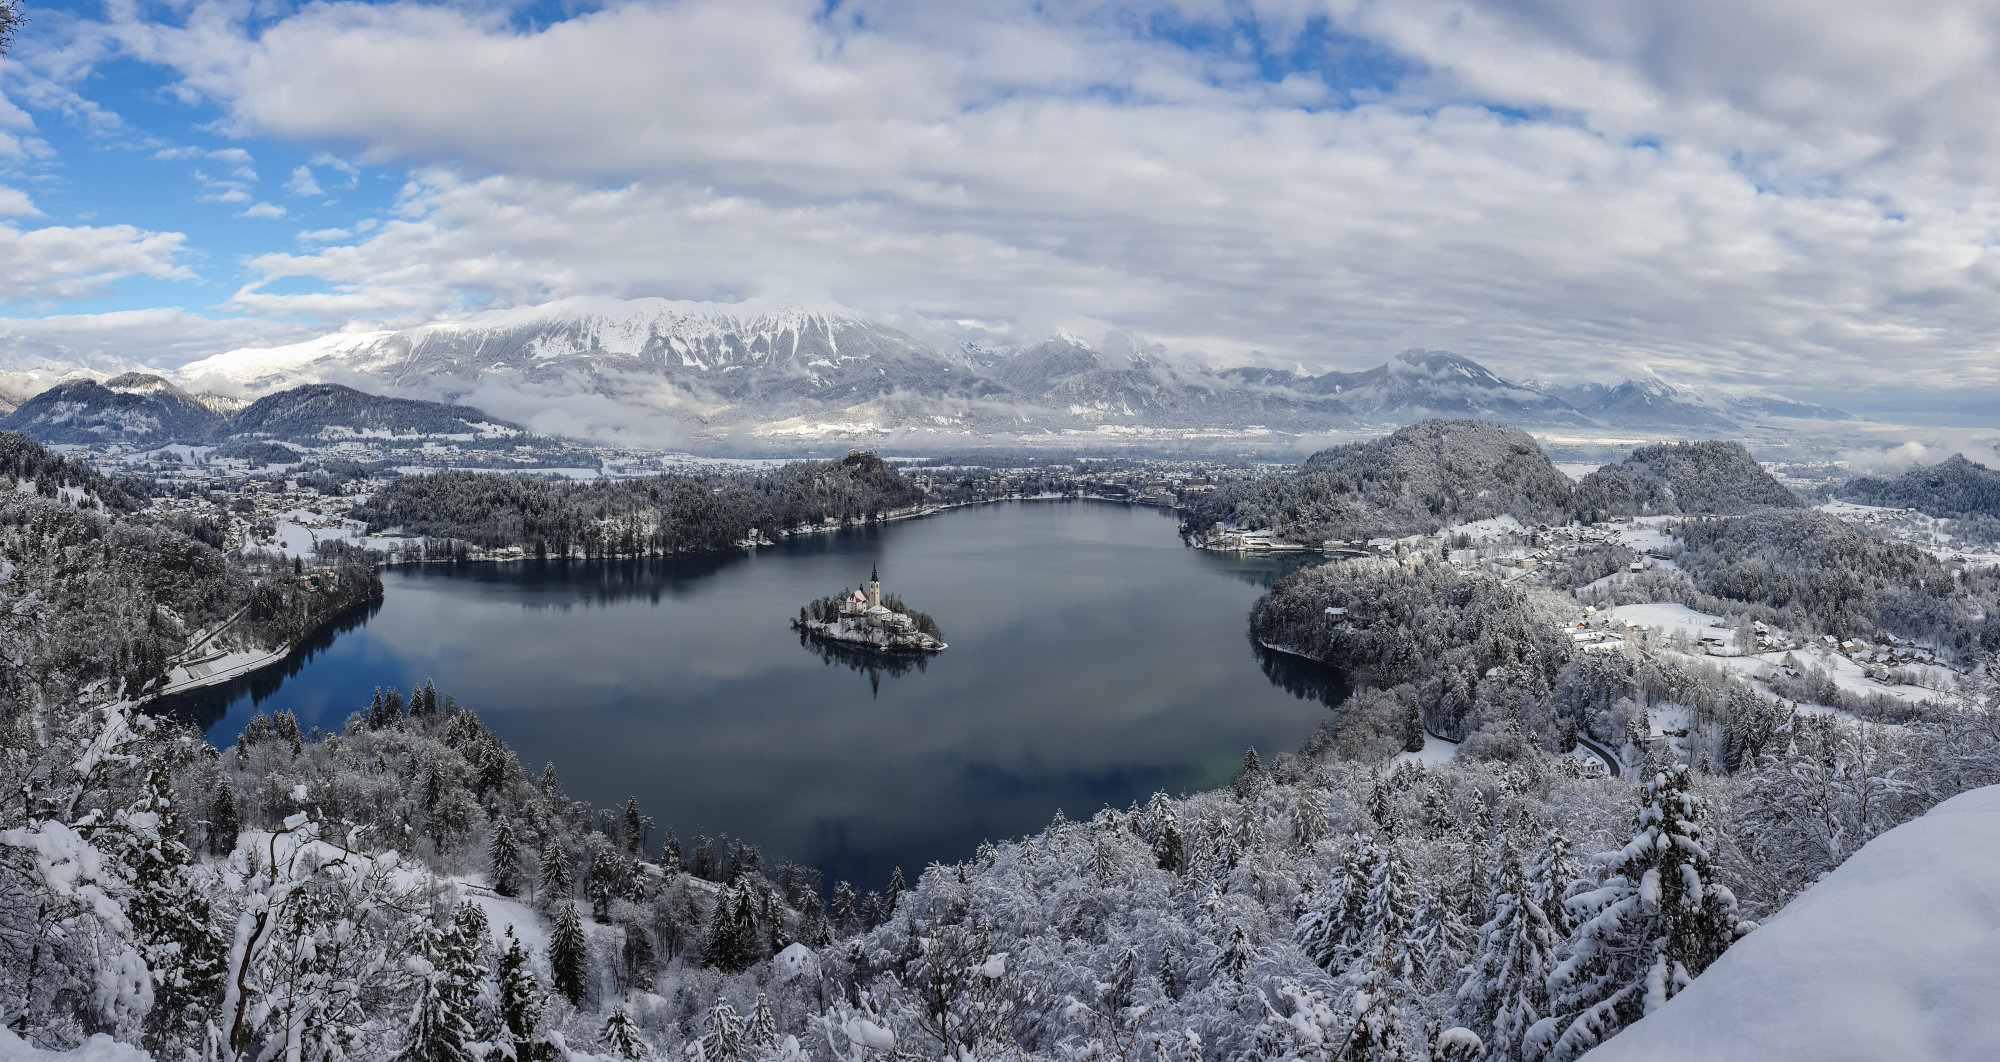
(1093, 660)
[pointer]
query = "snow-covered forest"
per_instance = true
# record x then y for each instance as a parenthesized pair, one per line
(662, 514)
(1610, 821)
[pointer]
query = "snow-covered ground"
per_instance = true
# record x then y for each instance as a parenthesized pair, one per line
(1889, 957)
(99, 1048)
(1671, 619)
(1436, 751)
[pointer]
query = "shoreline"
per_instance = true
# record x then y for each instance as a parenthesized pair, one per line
(909, 514)
(249, 663)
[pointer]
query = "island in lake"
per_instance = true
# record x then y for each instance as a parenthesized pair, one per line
(863, 617)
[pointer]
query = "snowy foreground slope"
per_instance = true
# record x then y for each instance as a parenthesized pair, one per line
(1891, 956)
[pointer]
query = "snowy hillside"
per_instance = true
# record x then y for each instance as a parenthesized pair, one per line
(1888, 957)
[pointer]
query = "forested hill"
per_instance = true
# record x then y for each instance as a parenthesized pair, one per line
(1815, 574)
(314, 410)
(673, 513)
(1954, 487)
(138, 410)
(22, 461)
(1415, 481)
(94, 597)
(1682, 478)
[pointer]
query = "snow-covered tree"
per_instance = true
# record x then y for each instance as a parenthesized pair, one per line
(1505, 991)
(438, 1029)
(520, 998)
(722, 1034)
(1332, 932)
(1655, 923)
(621, 1035)
(569, 956)
(555, 884)
(763, 1029)
(504, 857)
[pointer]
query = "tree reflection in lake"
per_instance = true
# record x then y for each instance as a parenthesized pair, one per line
(1094, 659)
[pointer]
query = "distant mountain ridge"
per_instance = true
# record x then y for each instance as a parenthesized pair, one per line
(143, 410)
(806, 371)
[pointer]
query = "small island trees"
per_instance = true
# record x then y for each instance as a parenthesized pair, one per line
(863, 617)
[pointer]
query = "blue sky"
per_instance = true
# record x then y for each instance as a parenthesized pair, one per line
(1761, 194)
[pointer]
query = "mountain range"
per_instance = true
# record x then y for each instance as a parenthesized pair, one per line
(806, 372)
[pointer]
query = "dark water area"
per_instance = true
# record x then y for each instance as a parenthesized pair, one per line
(1094, 659)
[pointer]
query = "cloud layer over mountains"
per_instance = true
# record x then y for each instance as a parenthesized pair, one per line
(1760, 194)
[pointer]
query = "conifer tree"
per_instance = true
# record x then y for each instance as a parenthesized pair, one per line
(670, 853)
(814, 932)
(1549, 878)
(555, 885)
(1236, 956)
(621, 1035)
(1333, 932)
(846, 913)
(1659, 920)
(1379, 1031)
(223, 820)
(464, 959)
(745, 933)
(1413, 728)
(763, 1029)
(637, 826)
(172, 919)
(720, 949)
(520, 998)
(1309, 818)
(1505, 991)
(894, 896)
(503, 857)
(1382, 805)
(568, 954)
(1163, 832)
(722, 1037)
(438, 1031)
(1389, 913)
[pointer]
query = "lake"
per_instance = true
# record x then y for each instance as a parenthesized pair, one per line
(1094, 659)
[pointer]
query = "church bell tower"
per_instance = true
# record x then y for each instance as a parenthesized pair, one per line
(874, 587)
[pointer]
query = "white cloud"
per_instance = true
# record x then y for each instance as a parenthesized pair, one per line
(1755, 193)
(70, 262)
(302, 182)
(263, 210)
(112, 342)
(15, 203)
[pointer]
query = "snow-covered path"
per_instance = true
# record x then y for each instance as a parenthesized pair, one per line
(1889, 957)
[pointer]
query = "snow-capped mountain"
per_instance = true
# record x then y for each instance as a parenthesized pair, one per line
(1650, 402)
(135, 408)
(777, 370)
(782, 360)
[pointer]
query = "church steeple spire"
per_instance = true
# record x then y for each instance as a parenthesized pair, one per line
(874, 587)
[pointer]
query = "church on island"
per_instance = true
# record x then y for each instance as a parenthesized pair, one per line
(859, 617)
